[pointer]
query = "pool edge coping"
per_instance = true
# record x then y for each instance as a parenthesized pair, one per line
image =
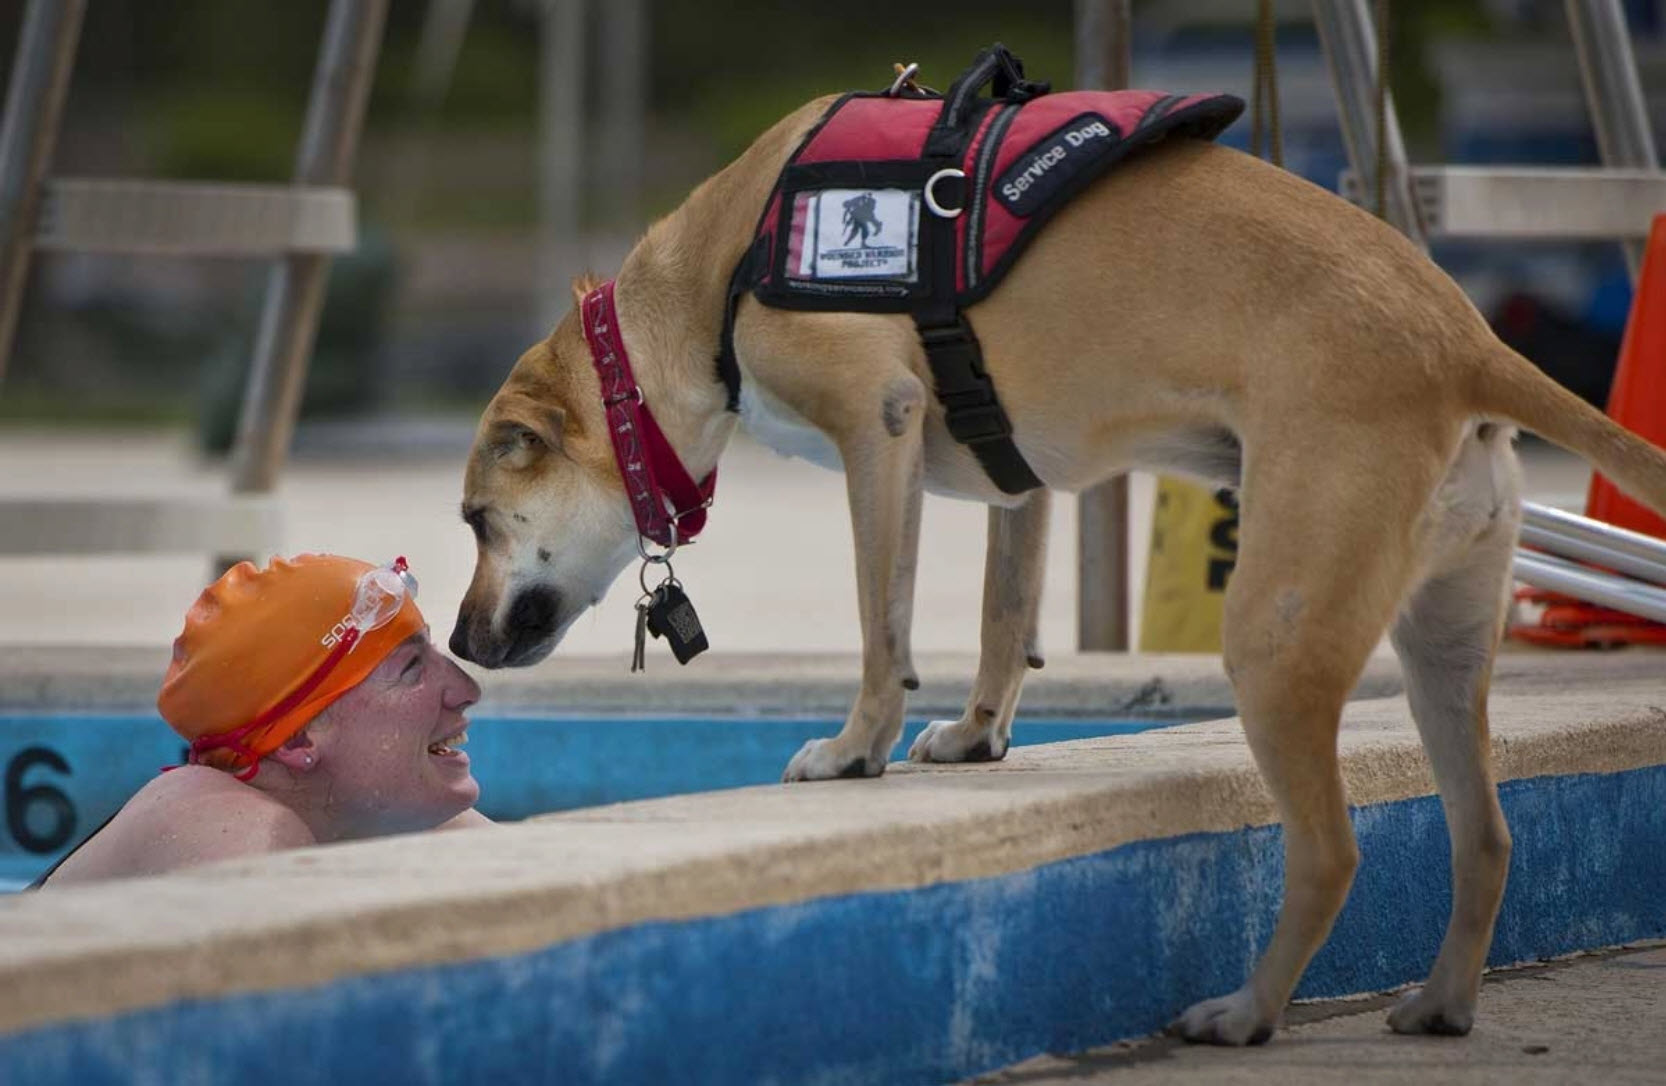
(373, 907)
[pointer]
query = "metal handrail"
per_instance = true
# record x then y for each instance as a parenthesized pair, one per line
(1632, 553)
(1567, 536)
(193, 218)
(1614, 93)
(1583, 583)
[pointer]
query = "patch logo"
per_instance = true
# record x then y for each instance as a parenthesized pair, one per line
(855, 234)
(1032, 181)
(859, 216)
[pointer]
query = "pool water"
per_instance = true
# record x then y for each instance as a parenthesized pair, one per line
(63, 774)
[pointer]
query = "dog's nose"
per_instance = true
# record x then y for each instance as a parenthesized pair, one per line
(532, 621)
(460, 639)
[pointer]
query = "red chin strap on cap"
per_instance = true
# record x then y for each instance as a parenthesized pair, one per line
(670, 507)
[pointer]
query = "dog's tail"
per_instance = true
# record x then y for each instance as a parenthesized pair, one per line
(1510, 386)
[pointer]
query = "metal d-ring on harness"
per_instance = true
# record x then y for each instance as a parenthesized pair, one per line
(905, 82)
(948, 173)
(905, 78)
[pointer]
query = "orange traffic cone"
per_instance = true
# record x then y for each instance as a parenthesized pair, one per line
(1637, 401)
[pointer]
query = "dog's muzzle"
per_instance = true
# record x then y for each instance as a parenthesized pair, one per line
(529, 628)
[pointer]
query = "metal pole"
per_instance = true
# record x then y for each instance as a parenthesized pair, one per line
(295, 288)
(1584, 583)
(1104, 46)
(561, 154)
(1104, 61)
(620, 121)
(1573, 536)
(1350, 44)
(34, 107)
(1613, 93)
(444, 25)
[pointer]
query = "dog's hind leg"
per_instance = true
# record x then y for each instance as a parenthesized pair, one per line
(1446, 638)
(1013, 568)
(880, 440)
(1326, 549)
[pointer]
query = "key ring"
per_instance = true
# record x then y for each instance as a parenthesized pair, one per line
(642, 579)
(656, 559)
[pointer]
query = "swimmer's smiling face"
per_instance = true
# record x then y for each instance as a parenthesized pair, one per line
(389, 750)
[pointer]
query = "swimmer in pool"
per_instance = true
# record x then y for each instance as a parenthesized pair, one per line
(317, 709)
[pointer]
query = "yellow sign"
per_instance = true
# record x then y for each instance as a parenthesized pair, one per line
(1194, 544)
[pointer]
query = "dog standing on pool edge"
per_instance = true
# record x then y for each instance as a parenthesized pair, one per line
(1194, 310)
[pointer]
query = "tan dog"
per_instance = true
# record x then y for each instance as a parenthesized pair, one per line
(1195, 310)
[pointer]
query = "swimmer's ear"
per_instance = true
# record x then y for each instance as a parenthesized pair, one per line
(298, 754)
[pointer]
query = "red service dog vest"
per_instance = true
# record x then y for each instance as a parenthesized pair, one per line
(910, 201)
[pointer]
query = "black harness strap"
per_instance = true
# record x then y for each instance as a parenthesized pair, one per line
(971, 410)
(746, 272)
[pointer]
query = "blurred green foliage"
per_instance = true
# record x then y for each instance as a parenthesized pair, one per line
(229, 136)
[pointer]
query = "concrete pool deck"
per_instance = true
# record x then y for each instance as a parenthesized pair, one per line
(1590, 1018)
(1018, 908)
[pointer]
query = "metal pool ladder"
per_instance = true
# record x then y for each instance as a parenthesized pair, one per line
(298, 226)
(1614, 202)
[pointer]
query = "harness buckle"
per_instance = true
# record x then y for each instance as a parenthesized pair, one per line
(970, 408)
(977, 423)
(956, 363)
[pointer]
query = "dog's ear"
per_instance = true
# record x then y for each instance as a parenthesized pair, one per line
(582, 285)
(524, 431)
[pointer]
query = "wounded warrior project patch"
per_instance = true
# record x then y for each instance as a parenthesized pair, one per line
(855, 234)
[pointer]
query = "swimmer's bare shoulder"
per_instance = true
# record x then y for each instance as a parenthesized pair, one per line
(192, 815)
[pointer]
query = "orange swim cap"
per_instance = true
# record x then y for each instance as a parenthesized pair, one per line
(254, 644)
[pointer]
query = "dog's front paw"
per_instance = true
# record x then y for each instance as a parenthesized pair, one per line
(824, 760)
(1230, 1020)
(958, 741)
(1423, 1012)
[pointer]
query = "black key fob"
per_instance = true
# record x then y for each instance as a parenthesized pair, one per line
(672, 617)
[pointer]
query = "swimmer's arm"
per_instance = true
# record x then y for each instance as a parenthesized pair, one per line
(468, 818)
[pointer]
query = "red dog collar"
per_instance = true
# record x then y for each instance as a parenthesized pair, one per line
(670, 506)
